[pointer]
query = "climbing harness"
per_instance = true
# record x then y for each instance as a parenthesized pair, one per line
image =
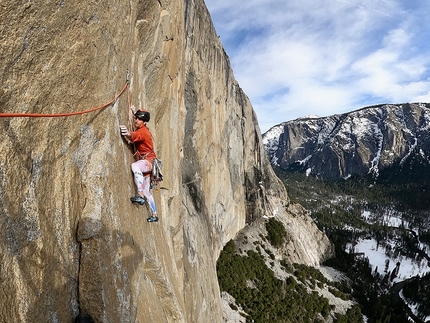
(156, 175)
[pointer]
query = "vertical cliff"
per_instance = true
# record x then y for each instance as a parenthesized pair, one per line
(72, 242)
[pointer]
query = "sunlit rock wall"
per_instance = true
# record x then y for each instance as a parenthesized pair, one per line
(71, 241)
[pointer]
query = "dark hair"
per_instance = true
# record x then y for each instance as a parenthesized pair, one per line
(142, 115)
(84, 318)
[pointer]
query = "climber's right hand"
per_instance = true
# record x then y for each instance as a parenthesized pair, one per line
(124, 131)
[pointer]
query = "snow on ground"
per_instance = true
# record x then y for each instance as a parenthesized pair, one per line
(391, 218)
(377, 258)
(413, 307)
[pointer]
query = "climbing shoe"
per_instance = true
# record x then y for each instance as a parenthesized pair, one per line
(137, 199)
(152, 219)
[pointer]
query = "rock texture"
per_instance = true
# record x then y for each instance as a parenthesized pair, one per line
(366, 141)
(72, 242)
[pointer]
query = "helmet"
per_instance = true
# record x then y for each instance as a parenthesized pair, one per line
(142, 115)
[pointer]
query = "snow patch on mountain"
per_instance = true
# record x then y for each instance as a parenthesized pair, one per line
(362, 141)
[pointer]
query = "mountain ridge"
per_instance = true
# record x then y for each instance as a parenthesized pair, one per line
(364, 141)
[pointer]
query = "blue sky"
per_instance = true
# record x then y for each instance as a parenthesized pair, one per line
(295, 58)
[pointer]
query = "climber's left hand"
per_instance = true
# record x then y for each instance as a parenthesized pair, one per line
(124, 131)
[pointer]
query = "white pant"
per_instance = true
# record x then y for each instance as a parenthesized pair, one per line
(142, 178)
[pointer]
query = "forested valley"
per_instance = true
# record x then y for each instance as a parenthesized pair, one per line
(381, 234)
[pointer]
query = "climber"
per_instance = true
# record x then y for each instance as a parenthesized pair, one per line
(145, 154)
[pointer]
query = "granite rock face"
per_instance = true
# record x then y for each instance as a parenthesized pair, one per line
(366, 141)
(72, 242)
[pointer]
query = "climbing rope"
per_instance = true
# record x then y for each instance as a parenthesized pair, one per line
(130, 119)
(54, 115)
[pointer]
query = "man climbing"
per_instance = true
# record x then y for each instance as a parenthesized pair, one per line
(142, 168)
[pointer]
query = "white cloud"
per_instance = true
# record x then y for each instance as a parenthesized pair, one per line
(295, 58)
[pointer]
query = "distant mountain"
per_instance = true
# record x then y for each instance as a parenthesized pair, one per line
(387, 142)
(381, 232)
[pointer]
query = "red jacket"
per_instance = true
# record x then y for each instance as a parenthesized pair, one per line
(143, 139)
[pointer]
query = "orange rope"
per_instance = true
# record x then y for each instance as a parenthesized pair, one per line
(53, 115)
(130, 121)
